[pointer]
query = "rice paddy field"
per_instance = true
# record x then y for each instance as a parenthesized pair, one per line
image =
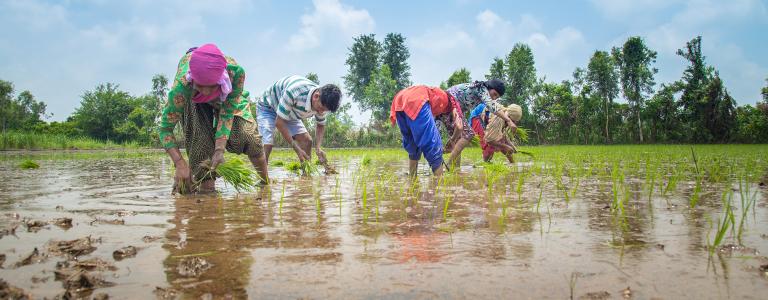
(566, 222)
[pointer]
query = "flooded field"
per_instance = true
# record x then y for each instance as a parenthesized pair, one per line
(641, 222)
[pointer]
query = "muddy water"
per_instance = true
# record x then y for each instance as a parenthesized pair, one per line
(312, 238)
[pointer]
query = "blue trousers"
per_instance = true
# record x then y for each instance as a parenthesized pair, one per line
(421, 136)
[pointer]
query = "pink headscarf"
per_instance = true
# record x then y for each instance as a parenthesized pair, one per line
(207, 66)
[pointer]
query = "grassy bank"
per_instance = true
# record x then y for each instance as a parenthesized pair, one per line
(13, 140)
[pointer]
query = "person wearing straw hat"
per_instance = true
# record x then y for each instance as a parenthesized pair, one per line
(208, 98)
(495, 131)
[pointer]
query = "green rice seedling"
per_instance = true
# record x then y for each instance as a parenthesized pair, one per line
(747, 200)
(671, 183)
(365, 200)
(366, 161)
(376, 197)
(29, 164)
(303, 168)
(282, 196)
(722, 227)
(235, 172)
(696, 193)
(338, 193)
(445, 207)
(277, 163)
(541, 192)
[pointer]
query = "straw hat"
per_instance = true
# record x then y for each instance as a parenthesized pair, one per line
(514, 112)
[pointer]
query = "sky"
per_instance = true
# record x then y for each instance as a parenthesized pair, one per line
(60, 49)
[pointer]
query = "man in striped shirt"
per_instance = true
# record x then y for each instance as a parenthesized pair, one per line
(286, 103)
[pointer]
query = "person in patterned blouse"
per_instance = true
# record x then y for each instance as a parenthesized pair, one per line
(207, 97)
(469, 95)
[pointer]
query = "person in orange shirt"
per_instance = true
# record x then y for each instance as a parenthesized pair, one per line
(415, 110)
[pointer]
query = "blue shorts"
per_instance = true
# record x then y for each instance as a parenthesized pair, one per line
(266, 116)
(421, 136)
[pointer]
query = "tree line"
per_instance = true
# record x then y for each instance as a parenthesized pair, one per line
(584, 109)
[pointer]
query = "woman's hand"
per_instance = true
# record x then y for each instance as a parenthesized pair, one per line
(182, 180)
(217, 159)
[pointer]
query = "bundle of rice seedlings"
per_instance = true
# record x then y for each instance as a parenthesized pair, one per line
(28, 164)
(305, 168)
(235, 172)
(366, 161)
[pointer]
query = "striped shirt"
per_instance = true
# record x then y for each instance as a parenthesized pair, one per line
(291, 97)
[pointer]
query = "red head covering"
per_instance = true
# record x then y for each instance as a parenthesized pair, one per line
(207, 65)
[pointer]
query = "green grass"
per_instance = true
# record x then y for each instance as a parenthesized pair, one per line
(13, 140)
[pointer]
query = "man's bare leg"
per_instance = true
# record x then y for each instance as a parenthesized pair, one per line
(413, 166)
(267, 151)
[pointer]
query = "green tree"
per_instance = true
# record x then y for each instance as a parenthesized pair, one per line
(752, 123)
(602, 77)
(764, 91)
(662, 112)
(378, 95)
(719, 111)
(496, 70)
(457, 77)
(313, 77)
(396, 56)
(22, 112)
(363, 60)
(520, 73)
(695, 79)
(554, 110)
(102, 111)
(634, 61)
(159, 91)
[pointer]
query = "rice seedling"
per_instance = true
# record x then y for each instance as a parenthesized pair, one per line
(303, 168)
(376, 197)
(366, 161)
(29, 164)
(235, 172)
(747, 200)
(282, 197)
(725, 223)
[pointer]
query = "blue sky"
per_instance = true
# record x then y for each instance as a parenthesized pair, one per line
(59, 49)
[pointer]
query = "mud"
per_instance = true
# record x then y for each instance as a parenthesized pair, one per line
(317, 239)
(125, 252)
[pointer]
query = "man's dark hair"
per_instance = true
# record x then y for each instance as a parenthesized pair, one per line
(330, 97)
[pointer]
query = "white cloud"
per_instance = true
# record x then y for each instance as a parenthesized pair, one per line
(329, 17)
(503, 31)
(439, 51)
(556, 54)
(619, 9)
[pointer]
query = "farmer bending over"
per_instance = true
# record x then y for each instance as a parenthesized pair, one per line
(208, 98)
(468, 95)
(495, 131)
(286, 103)
(415, 110)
